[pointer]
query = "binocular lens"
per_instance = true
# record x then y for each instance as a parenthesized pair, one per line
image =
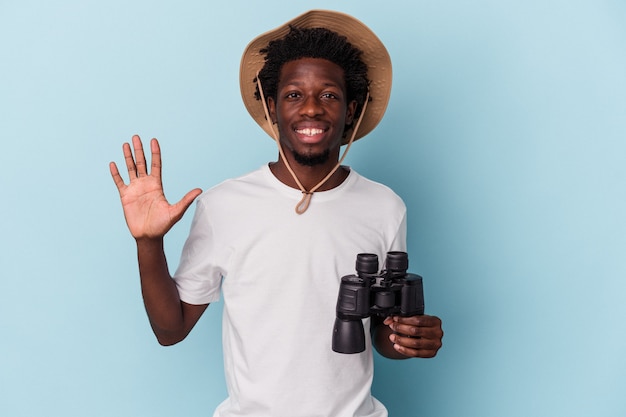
(367, 263)
(397, 261)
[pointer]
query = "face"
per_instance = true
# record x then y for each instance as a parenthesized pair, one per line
(311, 109)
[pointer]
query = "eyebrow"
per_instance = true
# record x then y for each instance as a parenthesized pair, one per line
(299, 83)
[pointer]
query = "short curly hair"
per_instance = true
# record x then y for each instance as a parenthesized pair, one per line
(315, 43)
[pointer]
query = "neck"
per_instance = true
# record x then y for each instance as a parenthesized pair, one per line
(309, 176)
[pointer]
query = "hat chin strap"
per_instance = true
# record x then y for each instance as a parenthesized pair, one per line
(304, 203)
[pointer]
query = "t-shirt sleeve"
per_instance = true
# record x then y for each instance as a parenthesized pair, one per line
(399, 241)
(198, 276)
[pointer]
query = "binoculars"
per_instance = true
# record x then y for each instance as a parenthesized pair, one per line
(392, 292)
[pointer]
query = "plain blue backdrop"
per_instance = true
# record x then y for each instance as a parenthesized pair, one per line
(505, 135)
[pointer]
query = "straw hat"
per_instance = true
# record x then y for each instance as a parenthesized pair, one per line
(375, 56)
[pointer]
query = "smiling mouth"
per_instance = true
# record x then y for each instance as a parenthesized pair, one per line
(309, 132)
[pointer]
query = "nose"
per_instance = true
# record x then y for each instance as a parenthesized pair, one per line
(312, 106)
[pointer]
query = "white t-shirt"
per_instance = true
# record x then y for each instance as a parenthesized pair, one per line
(279, 275)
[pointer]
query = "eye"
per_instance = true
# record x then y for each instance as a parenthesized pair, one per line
(330, 96)
(291, 95)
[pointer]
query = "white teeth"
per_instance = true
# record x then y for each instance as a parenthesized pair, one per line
(309, 131)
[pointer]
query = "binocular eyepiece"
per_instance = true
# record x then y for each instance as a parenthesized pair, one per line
(391, 292)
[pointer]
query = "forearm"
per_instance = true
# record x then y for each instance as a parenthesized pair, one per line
(160, 295)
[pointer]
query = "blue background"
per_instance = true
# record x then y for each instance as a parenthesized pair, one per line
(505, 135)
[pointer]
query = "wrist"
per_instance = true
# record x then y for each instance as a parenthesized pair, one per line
(149, 240)
(147, 245)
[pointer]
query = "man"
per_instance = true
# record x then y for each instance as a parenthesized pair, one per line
(278, 269)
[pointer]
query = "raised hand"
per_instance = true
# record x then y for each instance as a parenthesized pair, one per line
(148, 213)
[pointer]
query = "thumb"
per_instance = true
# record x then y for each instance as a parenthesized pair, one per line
(181, 207)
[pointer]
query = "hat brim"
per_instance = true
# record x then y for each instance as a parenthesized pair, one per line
(374, 55)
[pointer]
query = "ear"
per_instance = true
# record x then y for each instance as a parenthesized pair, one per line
(271, 108)
(350, 109)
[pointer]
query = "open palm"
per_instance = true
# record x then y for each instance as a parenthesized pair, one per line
(148, 213)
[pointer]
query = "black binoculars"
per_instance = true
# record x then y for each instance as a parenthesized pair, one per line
(392, 292)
